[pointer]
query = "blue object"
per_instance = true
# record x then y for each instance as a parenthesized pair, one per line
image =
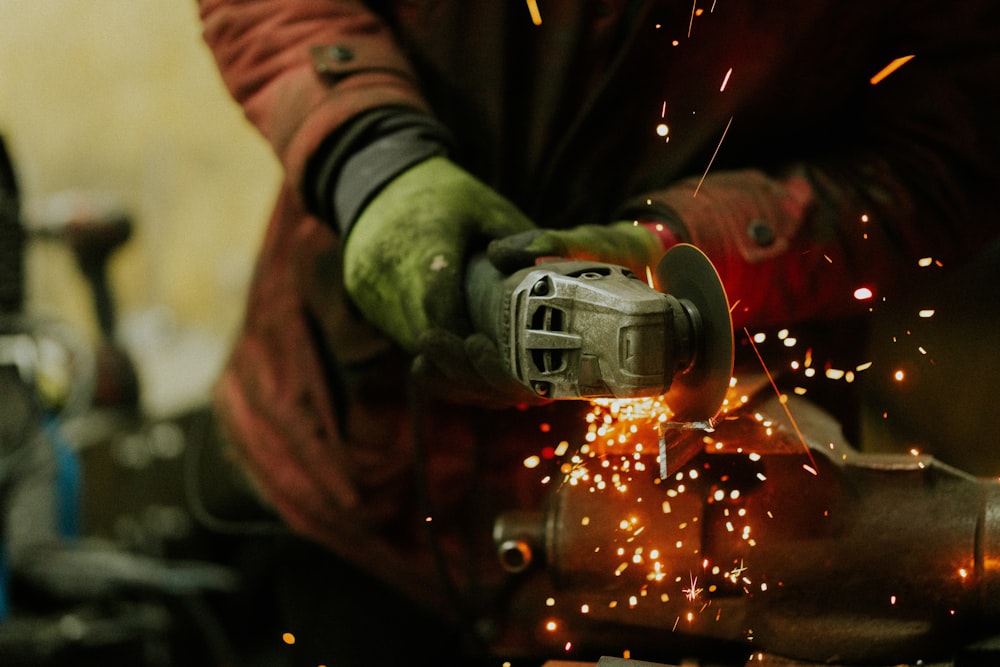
(67, 481)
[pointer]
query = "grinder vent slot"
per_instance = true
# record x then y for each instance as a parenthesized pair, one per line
(547, 318)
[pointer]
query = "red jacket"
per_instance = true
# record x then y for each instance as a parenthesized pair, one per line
(798, 177)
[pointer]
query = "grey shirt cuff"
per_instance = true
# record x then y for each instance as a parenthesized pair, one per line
(353, 165)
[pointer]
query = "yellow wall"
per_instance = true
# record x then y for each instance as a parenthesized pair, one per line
(122, 96)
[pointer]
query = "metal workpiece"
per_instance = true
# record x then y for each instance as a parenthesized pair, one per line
(807, 550)
(581, 329)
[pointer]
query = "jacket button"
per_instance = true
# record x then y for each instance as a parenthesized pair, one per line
(328, 59)
(340, 53)
(760, 233)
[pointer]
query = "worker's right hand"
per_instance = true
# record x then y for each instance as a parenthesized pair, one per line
(404, 258)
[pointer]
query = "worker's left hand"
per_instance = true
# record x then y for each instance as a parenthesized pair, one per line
(624, 243)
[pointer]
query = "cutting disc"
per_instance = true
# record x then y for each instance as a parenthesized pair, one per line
(696, 394)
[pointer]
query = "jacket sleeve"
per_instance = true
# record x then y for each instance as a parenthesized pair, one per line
(912, 181)
(301, 69)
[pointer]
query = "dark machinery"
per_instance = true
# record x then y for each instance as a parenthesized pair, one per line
(743, 528)
(803, 549)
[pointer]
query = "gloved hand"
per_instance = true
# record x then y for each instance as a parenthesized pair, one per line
(468, 371)
(404, 257)
(624, 243)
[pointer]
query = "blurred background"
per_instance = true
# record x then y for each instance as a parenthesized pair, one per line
(127, 149)
(122, 98)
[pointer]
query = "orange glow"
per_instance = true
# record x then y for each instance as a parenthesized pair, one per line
(890, 68)
(724, 132)
(784, 405)
(288, 638)
(536, 16)
(725, 81)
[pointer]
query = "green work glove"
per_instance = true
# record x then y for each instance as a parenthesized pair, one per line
(404, 258)
(623, 243)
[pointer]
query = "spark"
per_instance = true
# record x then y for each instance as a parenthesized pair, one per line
(692, 591)
(694, 9)
(890, 68)
(927, 312)
(551, 626)
(924, 262)
(725, 81)
(899, 375)
(863, 293)
(288, 638)
(662, 130)
(713, 157)
(536, 16)
(784, 404)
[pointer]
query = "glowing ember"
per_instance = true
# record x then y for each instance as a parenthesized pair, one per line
(725, 81)
(536, 16)
(863, 293)
(889, 69)
(899, 375)
(692, 591)
(288, 638)
(927, 312)
(662, 130)
(712, 159)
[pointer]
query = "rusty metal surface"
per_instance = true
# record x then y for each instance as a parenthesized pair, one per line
(806, 550)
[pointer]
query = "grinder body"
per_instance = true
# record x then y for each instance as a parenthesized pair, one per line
(583, 330)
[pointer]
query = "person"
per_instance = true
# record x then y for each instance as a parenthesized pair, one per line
(367, 412)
